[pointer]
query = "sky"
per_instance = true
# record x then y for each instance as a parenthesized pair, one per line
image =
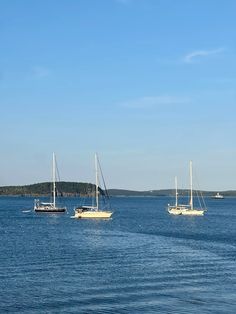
(147, 84)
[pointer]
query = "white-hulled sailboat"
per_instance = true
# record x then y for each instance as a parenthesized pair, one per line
(188, 209)
(94, 211)
(50, 207)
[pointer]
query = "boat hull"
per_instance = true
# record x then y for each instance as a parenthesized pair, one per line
(177, 210)
(93, 214)
(192, 212)
(174, 211)
(185, 211)
(50, 210)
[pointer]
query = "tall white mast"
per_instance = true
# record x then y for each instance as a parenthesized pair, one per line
(191, 184)
(96, 171)
(176, 193)
(54, 179)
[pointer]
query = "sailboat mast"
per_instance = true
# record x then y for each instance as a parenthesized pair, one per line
(191, 184)
(176, 193)
(96, 171)
(54, 179)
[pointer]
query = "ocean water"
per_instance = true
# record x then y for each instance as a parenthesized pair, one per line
(141, 261)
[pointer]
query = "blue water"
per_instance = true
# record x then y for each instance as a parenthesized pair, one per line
(141, 261)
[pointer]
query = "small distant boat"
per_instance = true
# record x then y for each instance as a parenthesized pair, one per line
(218, 196)
(96, 211)
(186, 209)
(50, 207)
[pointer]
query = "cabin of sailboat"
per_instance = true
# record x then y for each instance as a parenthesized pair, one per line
(95, 211)
(50, 207)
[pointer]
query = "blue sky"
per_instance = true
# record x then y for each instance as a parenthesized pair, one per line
(148, 84)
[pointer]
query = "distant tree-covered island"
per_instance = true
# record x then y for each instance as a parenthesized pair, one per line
(45, 189)
(82, 189)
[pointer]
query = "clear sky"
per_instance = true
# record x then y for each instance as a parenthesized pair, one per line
(148, 84)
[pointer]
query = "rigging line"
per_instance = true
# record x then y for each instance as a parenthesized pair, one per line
(106, 192)
(203, 199)
(199, 198)
(57, 177)
(57, 170)
(201, 194)
(106, 196)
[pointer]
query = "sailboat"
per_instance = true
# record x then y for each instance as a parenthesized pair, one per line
(50, 207)
(188, 209)
(94, 211)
